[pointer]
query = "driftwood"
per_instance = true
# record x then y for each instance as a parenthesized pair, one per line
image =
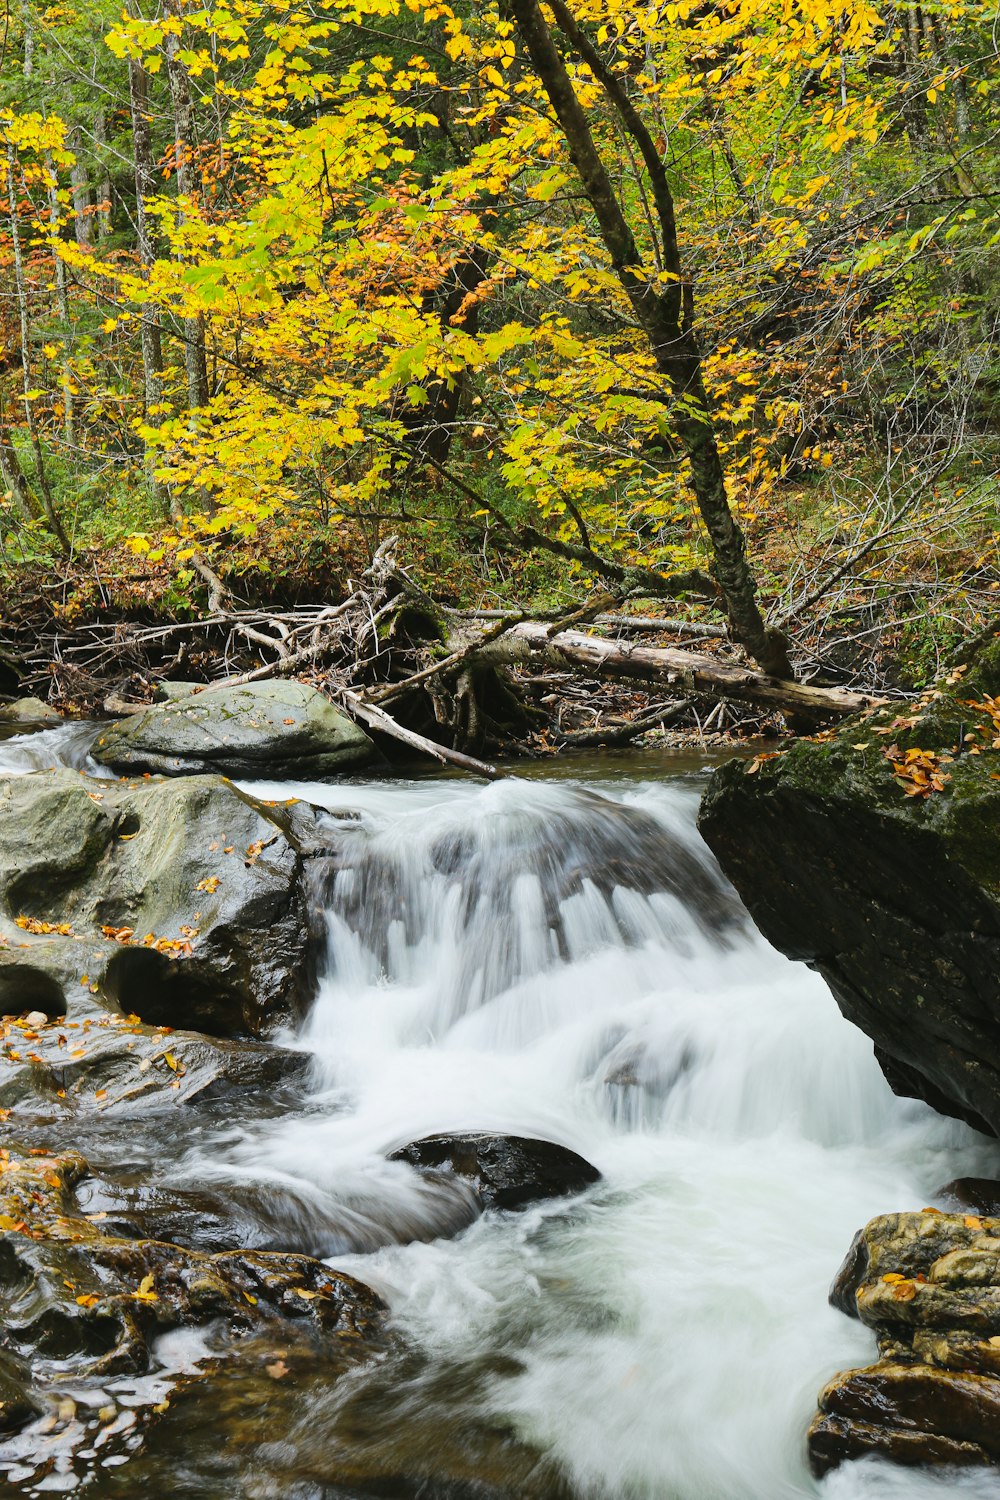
(376, 718)
(622, 734)
(530, 643)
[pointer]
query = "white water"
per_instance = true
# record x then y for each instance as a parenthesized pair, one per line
(671, 1325)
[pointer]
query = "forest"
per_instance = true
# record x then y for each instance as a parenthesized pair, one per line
(500, 749)
(680, 314)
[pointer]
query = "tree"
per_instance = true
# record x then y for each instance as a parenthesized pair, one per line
(620, 285)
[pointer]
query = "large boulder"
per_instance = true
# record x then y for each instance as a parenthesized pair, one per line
(928, 1283)
(873, 853)
(275, 730)
(183, 902)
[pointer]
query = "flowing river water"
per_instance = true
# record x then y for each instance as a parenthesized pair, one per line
(557, 955)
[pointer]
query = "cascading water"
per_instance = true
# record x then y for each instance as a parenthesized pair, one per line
(563, 960)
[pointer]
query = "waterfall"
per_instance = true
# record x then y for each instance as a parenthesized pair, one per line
(566, 960)
(562, 958)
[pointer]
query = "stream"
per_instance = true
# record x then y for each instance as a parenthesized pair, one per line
(521, 958)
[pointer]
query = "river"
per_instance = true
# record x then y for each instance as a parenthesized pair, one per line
(662, 1336)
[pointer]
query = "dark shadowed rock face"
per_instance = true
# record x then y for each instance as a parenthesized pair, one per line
(181, 901)
(928, 1283)
(507, 1171)
(894, 898)
(277, 730)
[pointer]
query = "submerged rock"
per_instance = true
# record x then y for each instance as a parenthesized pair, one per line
(276, 730)
(507, 1171)
(77, 1303)
(182, 902)
(873, 853)
(928, 1283)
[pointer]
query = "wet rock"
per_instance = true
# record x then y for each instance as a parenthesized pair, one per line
(507, 1171)
(883, 872)
(908, 1414)
(77, 1303)
(18, 1404)
(590, 840)
(275, 1215)
(28, 712)
(978, 1195)
(183, 902)
(114, 1065)
(928, 1283)
(276, 730)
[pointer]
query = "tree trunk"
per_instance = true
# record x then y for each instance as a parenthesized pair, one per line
(83, 226)
(52, 520)
(432, 426)
(180, 98)
(13, 475)
(62, 301)
(664, 317)
(149, 328)
(692, 671)
(102, 213)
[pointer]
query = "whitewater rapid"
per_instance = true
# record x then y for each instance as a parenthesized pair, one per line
(664, 1335)
(672, 1329)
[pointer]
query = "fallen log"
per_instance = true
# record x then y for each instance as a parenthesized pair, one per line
(644, 623)
(530, 643)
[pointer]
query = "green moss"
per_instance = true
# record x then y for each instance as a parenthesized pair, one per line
(851, 768)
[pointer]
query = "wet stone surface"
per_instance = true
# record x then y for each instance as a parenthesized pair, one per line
(928, 1283)
(506, 1171)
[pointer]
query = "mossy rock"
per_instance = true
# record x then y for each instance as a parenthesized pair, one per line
(267, 730)
(183, 902)
(29, 713)
(873, 853)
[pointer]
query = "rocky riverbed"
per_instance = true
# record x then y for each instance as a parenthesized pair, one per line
(398, 1133)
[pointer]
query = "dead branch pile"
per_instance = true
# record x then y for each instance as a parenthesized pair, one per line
(458, 682)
